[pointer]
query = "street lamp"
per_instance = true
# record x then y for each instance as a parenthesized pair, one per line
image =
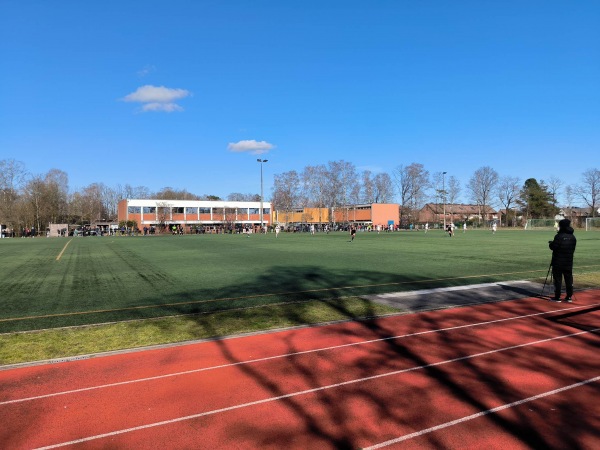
(444, 194)
(261, 161)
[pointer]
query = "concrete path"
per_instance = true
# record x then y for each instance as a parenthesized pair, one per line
(428, 299)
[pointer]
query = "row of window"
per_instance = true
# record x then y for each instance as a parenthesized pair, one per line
(195, 210)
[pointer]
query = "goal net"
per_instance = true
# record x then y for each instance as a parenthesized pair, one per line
(541, 224)
(592, 224)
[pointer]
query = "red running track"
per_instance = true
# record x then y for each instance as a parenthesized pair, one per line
(515, 374)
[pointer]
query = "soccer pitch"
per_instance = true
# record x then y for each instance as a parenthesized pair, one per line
(48, 283)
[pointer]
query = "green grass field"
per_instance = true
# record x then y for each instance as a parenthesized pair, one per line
(107, 279)
(78, 296)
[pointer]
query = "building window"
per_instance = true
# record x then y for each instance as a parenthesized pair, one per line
(242, 212)
(149, 209)
(134, 209)
(266, 210)
(177, 210)
(191, 210)
(253, 210)
(204, 210)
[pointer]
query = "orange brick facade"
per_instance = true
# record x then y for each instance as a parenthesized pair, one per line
(373, 214)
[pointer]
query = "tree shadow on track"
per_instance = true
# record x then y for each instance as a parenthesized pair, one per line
(330, 419)
(580, 319)
(333, 423)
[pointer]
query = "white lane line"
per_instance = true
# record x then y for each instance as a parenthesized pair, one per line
(285, 355)
(480, 414)
(308, 391)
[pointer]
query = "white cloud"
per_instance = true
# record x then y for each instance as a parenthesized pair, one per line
(252, 146)
(157, 98)
(167, 107)
(148, 69)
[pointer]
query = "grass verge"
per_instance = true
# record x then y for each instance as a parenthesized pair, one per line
(68, 342)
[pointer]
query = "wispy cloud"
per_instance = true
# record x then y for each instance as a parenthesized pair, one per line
(148, 69)
(252, 146)
(157, 98)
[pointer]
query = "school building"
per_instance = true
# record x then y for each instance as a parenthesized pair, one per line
(207, 215)
(384, 214)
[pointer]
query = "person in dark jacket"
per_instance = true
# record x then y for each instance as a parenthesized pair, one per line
(563, 247)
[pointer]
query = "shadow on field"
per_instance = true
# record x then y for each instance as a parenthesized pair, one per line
(328, 415)
(279, 285)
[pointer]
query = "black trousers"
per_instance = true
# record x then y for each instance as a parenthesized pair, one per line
(558, 273)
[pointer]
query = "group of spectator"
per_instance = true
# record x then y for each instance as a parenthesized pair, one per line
(28, 232)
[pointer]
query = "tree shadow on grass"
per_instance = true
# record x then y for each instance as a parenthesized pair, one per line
(276, 286)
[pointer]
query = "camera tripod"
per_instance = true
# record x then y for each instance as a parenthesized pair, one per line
(549, 274)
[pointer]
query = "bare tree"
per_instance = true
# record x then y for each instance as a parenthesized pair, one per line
(383, 188)
(33, 194)
(453, 189)
(439, 189)
(314, 185)
(238, 197)
(168, 193)
(12, 179)
(343, 181)
(286, 192)
(412, 182)
(86, 206)
(368, 187)
(452, 194)
(589, 189)
(554, 184)
(508, 191)
(110, 200)
(56, 195)
(229, 218)
(44, 199)
(482, 185)
(163, 214)
(569, 200)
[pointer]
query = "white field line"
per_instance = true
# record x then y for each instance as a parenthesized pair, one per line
(63, 250)
(406, 437)
(285, 355)
(322, 388)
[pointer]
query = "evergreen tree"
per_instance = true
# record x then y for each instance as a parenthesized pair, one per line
(536, 200)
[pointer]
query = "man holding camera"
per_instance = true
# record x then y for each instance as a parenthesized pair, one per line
(563, 247)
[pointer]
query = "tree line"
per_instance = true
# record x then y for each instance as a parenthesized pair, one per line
(339, 183)
(33, 201)
(30, 200)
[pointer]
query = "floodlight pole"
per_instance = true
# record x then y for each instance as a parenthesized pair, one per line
(444, 195)
(261, 161)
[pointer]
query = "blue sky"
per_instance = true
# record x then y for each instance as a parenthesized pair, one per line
(157, 93)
